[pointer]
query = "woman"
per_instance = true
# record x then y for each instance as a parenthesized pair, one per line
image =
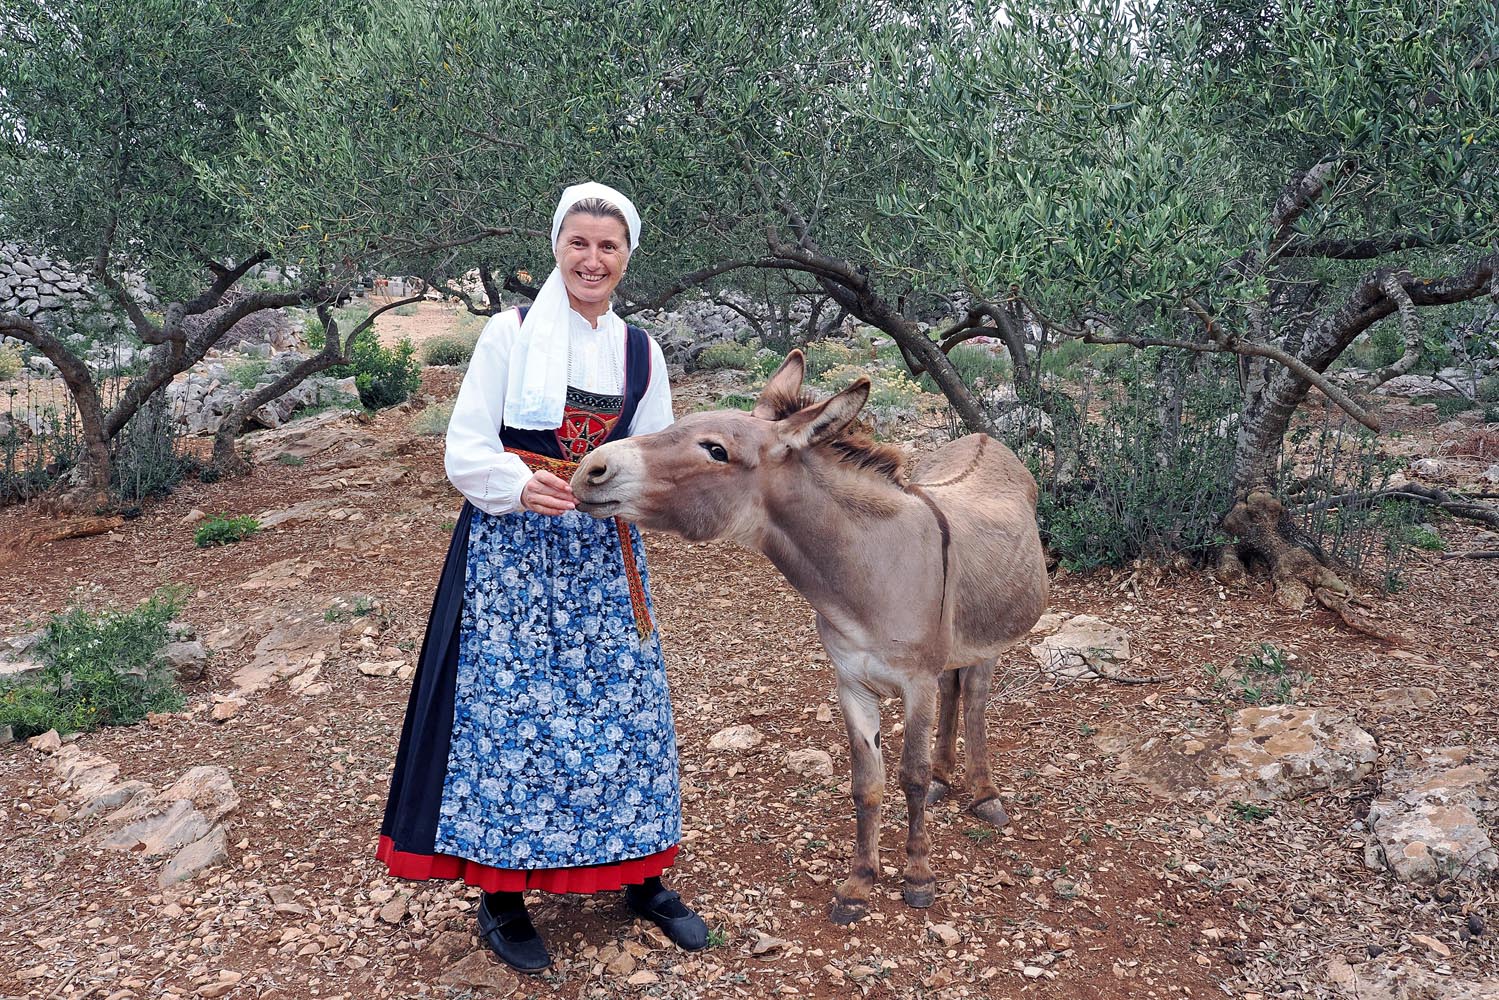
(538, 750)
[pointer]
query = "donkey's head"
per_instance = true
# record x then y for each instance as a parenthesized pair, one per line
(715, 474)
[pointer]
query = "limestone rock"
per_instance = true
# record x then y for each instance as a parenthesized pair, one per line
(1406, 697)
(1406, 981)
(482, 974)
(813, 763)
(736, 738)
(48, 742)
(1282, 751)
(1418, 385)
(226, 708)
(1427, 826)
(1083, 647)
(188, 660)
(1431, 468)
(194, 858)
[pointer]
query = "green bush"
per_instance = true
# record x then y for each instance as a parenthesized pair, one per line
(385, 376)
(1136, 481)
(10, 361)
(1364, 534)
(145, 460)
(1060, 358)
(979, 367)
(246, 373)
(225, 531)
(451, 349)
(727, 355)
(100, 669)
(433, 421)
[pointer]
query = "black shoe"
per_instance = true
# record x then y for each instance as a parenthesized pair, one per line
(665, 909)
(511, 936)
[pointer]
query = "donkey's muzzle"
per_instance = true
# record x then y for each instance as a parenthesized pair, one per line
(595, 471)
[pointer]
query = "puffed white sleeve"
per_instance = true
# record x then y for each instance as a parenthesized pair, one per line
(653, 413)
(476, 463)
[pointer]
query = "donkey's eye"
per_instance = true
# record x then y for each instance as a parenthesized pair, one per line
(715, 451)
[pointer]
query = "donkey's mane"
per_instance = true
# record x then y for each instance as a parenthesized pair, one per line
(855, 446)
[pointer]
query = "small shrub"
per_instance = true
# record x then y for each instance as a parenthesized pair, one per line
(825, 355)
(451, 349)
(145, 459)
(727, 355)
(1424, 538)
(343, 609)
(433, 421)
(1451, 406)
(1250, 812)
(219, 530)
(246, 373)
(1060, 358)
(1262, 677)
(287, 458)
(11, 361)
(409, 309)
(100, 669)
(1138, 481)
(385, 376)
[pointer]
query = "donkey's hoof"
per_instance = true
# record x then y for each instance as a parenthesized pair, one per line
(920, 895)
(991, 811)
(848, 911)
(937, 791)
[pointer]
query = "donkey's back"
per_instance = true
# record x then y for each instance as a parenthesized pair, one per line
(997, 571)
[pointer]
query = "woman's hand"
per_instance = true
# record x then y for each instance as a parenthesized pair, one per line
(545, 493)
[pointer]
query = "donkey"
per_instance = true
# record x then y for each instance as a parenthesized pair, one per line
(918, 586)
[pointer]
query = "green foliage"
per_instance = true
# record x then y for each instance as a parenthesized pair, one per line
(1250, 812)
(218, 530)
(451, 349)
(385, 376)
(344, 609)
(246, 372)
(727, 355)
(433, 421)
(1141, 479)
(1261, 677)
(287, 458)
(1360, 531)
(100, 669)
(11, 361)
(145, 459)
(1421, 537)
(1062, 357)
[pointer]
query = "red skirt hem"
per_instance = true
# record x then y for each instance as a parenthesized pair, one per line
(586, 879)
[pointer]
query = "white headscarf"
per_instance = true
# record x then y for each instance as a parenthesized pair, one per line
(536, 387)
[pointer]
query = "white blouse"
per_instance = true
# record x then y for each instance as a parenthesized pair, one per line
(477, 464)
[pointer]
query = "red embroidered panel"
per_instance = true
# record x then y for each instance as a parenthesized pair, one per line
(583, 430)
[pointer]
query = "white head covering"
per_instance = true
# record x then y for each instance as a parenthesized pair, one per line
(536, 387)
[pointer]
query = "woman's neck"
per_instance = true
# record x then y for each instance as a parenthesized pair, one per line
(591, 311)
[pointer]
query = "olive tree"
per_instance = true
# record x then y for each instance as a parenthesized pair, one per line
(435, 142)
(108, 114)
(1132, 175)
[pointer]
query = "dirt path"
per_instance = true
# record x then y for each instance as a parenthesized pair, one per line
(1096, 889)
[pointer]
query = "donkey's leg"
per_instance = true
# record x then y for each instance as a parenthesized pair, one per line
(861, 714)
(976, 681)
(920, 698)
(945, 759)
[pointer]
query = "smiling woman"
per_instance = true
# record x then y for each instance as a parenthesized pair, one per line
(539, 750)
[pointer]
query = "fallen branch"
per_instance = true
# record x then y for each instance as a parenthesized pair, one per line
(1473, 554)
(1460, 505)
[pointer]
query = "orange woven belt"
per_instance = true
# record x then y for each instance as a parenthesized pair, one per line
(565, 469)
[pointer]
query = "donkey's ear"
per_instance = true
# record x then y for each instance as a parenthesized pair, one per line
(828, 419)
(784, 387)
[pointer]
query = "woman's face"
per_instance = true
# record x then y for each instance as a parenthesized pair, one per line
(592, 251)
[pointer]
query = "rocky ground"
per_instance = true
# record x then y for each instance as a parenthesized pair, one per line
(1169, 837)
